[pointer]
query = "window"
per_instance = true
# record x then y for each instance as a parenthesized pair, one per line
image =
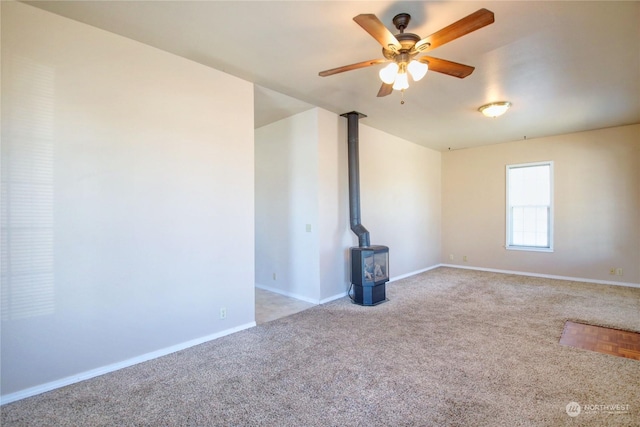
(530, 207)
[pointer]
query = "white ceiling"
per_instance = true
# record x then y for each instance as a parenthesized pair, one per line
(566, 66)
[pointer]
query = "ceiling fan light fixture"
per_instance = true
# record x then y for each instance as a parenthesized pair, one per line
(417, 69)
(402, 81)
(495, 109)
(401, 48)
(388, 74)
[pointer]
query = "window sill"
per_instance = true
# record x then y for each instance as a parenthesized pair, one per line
(528, 248)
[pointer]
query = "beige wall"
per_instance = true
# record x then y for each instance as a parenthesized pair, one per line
(286, 188)
(127, 202)
(401, 199)
(597, 205)
(302, 178)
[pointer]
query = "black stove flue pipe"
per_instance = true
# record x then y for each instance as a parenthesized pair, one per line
(354, 178)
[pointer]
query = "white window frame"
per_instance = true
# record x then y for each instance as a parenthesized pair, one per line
(508, 241)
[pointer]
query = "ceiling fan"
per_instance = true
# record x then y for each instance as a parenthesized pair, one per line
(401, 51)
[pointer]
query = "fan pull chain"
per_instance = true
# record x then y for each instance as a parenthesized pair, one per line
(402, 97)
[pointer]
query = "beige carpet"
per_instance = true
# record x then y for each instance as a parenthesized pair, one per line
(451, 348)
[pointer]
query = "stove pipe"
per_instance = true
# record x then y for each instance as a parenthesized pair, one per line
(354, 179)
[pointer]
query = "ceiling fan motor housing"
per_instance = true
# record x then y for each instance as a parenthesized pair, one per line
(407, 41)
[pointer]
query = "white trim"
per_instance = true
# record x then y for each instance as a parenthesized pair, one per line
(508, 218)
(392, 279)
(413, 273)
(529, 249)
(546, 276)
(300, 297)
(287, 294)
(340, 295)
(32, 391)
(42, 388)
(333, 298)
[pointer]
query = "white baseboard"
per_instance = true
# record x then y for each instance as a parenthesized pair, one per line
(392, 279)
(32, 391)
(300, 297)
(413, 273)
(334, 297)
(340, 295)
(287, 294)
(546, 276)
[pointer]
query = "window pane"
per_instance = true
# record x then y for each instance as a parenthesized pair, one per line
(530, 225)
(542, 227)
(530, 185)
(529, 198)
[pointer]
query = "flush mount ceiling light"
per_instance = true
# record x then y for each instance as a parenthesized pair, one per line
(495, 109)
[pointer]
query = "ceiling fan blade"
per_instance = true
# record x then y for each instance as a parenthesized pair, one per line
(372, 25)
(344, 68)
(447, 67)
(475, 21)
(385, 89)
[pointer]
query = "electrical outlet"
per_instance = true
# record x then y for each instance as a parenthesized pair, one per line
(464, 258)
(223, 313)
(308, 228)
(451, 257)
(274, 276)
(618, 271)
(612, 271)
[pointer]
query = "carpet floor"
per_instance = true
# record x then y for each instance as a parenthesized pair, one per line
(451, 347)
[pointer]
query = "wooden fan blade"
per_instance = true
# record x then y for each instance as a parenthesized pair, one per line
(385, 89)
(475, 21)
(447, 67)
(344, 68)
(372, 25)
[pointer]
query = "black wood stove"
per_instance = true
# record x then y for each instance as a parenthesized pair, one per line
(369, 274)
(369, 264)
